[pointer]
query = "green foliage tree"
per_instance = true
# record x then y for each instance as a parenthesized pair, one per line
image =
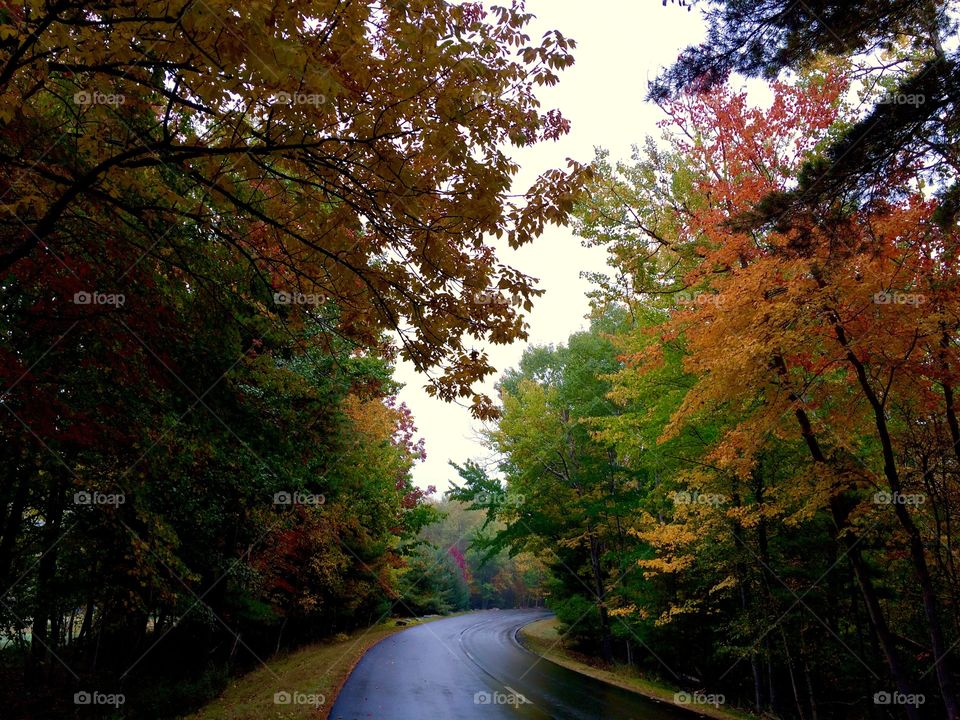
(220, 226)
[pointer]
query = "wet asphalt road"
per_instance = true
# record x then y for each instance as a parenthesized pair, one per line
(472, 667)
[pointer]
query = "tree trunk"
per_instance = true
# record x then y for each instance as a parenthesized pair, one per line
(46, 602)
(606, 638)
(917, 552)
(840, 513)
(793, 680)
(13, 521)
(745, 605)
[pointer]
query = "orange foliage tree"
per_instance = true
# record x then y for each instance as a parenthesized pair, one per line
(837, 328)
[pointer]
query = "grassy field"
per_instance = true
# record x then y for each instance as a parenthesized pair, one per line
(542, 638)
(311, 676)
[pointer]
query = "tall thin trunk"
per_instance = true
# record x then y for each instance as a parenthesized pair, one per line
(606, 638)
(804, 661)
(754, 662)
(840, 511)
(917, 551)
(14, 519)
(745, 605)
(276, 649)
(87, 621)
(46, 602)
(793, 680)
(948, 397)
(771, 677)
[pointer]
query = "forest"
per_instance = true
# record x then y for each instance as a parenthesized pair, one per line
(224, 225)
(754, 449)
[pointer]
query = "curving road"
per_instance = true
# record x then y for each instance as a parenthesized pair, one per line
(472, 667)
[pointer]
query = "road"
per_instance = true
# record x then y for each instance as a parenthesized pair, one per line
(472, 667)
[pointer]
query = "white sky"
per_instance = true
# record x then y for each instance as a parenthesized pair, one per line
(621, 45)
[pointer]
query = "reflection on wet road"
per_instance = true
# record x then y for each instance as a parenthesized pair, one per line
(472, 666)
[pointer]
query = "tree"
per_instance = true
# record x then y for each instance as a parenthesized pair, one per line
(220, 225)
(568, 485)
(813, 333)
(900, 49)
(353, 152)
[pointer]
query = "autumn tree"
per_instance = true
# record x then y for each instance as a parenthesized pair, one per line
(220, 226)
(563, 494)
(349, 151)
(828, 332)
(901, 48)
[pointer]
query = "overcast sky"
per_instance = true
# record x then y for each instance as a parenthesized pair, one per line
(621, 45)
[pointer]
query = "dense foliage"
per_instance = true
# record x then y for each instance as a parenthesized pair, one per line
(220, 225)
(456, 570)
(754, 451)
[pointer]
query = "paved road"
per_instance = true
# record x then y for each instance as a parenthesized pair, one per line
(472, 667)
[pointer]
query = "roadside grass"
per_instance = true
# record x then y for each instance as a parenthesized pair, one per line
(542, 638)
(314, 670)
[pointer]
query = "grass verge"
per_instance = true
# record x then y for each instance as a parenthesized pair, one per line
(542, 638)
(315, 670)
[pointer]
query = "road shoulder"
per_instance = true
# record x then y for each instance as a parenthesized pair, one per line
(541, 638)
(306, 675)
